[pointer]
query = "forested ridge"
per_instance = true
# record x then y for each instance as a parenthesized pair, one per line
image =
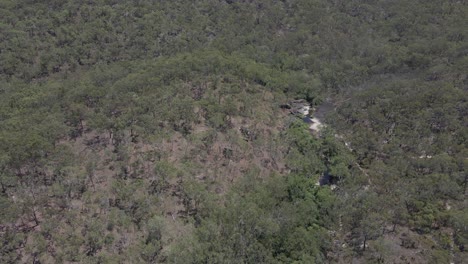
(159, 131)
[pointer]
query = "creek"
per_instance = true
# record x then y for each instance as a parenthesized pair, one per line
(315, 119)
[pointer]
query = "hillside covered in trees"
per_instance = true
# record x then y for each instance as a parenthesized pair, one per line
(159, 131)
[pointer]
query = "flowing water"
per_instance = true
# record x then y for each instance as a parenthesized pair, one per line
(315, 119)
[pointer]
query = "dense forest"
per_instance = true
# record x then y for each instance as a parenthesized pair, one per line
(147, 131)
